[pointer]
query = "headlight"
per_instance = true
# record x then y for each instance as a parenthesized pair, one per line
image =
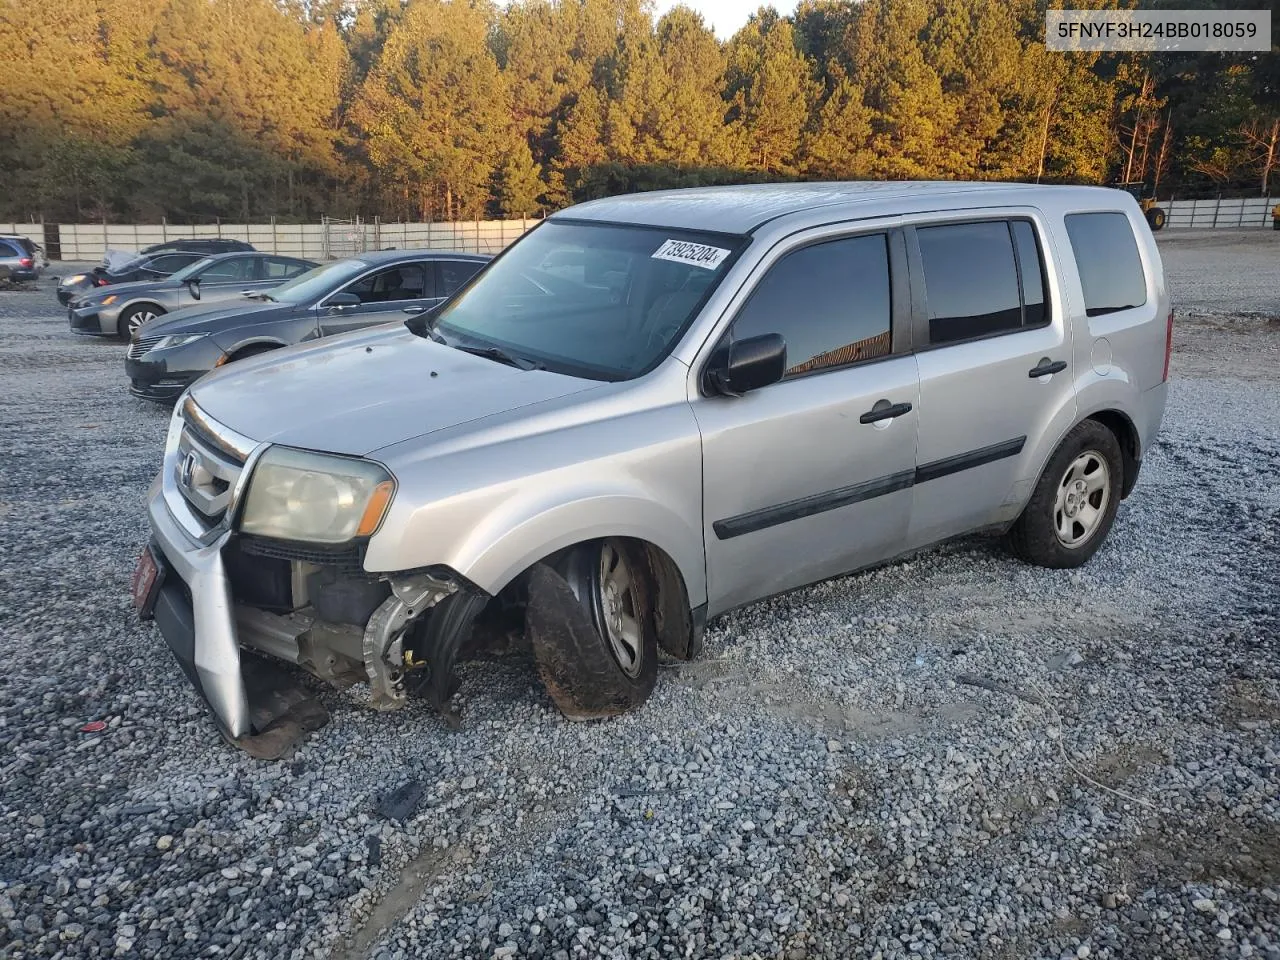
(108, 301)
(315, 497)
(178, 340)
(72, 279)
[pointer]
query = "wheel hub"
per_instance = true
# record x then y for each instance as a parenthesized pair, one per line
(1082, 499)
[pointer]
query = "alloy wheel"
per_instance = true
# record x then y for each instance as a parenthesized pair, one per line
(1082, 499)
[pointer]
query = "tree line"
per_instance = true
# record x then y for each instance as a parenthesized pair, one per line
(447, 109)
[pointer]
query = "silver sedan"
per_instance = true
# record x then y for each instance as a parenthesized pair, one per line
(121, 308)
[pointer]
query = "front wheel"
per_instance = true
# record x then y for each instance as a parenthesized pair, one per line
(1156, 218)
(133, 318)
(591, 625)
(1074, 504)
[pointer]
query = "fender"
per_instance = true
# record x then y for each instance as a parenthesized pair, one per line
(254, 342)
(1094, 394)
(141, 302)
(505, 540)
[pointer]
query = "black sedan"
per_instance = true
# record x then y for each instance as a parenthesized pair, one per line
(152, 263)
(171, 352)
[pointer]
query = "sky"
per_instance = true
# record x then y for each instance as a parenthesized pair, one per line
(726, 16)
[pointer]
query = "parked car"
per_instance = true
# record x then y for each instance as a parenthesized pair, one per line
(119, 309)
(650, 410)
(208, 247)
(152, 266)
(20, 259)
(170, 353)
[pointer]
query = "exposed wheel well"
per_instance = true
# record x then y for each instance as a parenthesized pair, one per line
(679, 634)
(251, 350)
(1127, 434)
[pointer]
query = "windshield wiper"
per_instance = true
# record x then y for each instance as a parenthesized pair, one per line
(497, 353)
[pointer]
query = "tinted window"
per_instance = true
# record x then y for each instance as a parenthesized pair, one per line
(1034, 294)
(454, 273)
(8, 249)
(406, 281)
(278, 269)
(1107, 255)
(970, 279)
(169, 262)
(237, 270)
(830, 302)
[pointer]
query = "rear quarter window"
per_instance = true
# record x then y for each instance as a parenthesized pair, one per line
(1106, 253)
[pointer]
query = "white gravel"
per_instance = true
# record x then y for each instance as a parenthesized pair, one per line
(820, 784)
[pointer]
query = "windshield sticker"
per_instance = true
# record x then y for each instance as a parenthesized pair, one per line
(694, 254)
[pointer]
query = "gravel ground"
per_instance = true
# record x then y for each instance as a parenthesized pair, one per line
(825, 782)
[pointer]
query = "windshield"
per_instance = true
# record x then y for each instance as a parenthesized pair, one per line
(191, 268)
(318, 281)
(601, 301)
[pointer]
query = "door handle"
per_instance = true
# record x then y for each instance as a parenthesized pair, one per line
(1046, 368)
(414, 310)
(878, 412)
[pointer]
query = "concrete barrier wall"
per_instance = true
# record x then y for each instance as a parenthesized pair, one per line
(1226, 212)
(314, 241)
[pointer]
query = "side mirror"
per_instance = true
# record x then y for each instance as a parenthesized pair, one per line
(750, 364)
(193, 285)
(341, 301)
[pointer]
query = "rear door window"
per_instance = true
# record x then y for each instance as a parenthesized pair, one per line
(454, 273)
(1107, 256)
(830, 302)
(8, 249)
(971, 280)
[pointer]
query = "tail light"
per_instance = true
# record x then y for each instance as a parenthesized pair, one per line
(1168, 347)
(100, 281)
(25, 261)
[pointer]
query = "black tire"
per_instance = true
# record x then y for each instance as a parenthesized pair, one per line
(135, 315)
(589, 670)
(1035, 536)
(1156, 218)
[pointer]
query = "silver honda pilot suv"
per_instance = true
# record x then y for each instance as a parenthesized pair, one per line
(647, 411)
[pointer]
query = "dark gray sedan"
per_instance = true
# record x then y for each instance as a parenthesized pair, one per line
(121, 308)
(169, 353)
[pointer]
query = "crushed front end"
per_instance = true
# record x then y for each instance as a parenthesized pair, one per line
(256, 558)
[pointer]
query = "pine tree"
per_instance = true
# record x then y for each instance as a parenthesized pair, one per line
(433, 114)
(770, 89)
(519, 182)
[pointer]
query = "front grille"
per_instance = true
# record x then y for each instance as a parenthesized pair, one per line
(205, 474)
(349, 559)
(138, 347)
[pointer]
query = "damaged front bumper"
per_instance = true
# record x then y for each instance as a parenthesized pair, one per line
(221, 599)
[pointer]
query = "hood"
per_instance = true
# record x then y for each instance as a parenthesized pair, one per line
(217, 317)
(359, 392)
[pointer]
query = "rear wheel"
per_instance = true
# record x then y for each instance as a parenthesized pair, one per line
(1074, 504)
(135, 317)
(592, 629)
